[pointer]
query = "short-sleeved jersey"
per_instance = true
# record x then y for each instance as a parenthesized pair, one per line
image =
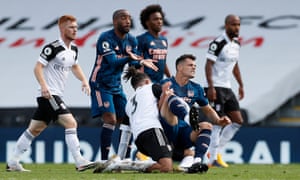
(154, 48)
(111, 57)
(191, 92)
(225, 54)
(142, 110)
(58, 60)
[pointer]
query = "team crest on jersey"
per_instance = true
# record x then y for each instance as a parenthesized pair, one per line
(190, 93)
(106, 104)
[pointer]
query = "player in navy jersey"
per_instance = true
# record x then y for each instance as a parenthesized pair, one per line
(152, 45)
(222, 61)
(56, 60)
(182, 134)
(115, 48)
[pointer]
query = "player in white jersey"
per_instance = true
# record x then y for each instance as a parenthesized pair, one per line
(143, 113)
(222, 61)
(144, 124)
(56, 60)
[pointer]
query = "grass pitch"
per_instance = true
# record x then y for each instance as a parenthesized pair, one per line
(233, 172)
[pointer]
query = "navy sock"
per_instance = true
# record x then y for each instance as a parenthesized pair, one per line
(106, 138)
(202, 143)
(178, 107)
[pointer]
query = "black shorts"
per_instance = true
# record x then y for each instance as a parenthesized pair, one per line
(153, 142)
(226, 101)
(46, 113)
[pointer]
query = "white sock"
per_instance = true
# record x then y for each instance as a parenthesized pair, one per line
(214, 143)
(22, 145)
(73, 144)
(227, 134)
(124, 140)
(187, 161)
(197, 160)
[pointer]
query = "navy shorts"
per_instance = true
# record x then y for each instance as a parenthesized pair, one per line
(179, 137)
(104, 101)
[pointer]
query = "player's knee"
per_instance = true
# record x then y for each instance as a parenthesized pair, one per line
(166, 167)
(236, 117)
(205, 125)
(72, 124)
(239, 120)
(109, 118)
(36, 131)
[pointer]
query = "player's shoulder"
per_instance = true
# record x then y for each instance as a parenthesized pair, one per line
(51, 49)
(163, 37)
(143, 35)
(106, 40)
(219, 40)
(217, 44)
(54, 44)
(107, 35)
(131, 36)
(163, 81)
(143, 38)
(195, 84)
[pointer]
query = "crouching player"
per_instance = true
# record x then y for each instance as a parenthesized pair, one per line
(148, 134)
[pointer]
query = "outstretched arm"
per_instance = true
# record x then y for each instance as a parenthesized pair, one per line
(144, 62)
(216, 119)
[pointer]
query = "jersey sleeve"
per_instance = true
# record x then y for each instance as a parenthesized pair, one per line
(201, 100)
(215, 49)
(157, 90)
(105, 48)
(49, 52)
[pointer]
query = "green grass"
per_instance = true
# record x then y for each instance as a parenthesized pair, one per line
(234, 172)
